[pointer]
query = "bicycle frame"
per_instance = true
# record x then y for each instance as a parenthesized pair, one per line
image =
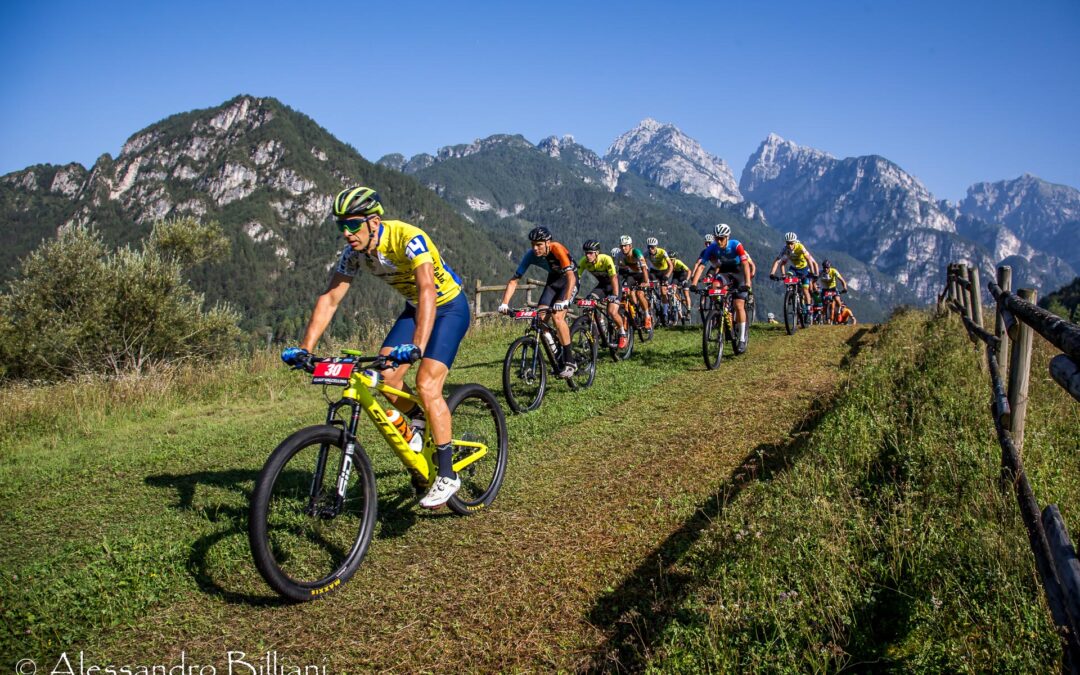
(358, 395)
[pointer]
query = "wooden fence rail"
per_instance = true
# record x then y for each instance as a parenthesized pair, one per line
(526, 285)
(1017, 318)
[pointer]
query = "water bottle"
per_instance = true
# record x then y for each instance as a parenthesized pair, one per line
(415, 441)
(550, 342)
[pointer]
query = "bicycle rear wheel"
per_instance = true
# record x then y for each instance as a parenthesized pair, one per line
(712, 338)
(477, 417)
(524, 374)
(307, 541)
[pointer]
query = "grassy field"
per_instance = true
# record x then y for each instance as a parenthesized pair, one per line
(825, 501)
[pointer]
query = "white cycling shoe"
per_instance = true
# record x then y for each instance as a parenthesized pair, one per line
(441, 492)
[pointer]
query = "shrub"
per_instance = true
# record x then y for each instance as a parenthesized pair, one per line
(78, 307)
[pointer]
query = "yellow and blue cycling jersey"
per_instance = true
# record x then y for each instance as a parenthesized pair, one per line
(827, 280)
(796, 256)
(659, 261)
(603, 269)
(402, 249)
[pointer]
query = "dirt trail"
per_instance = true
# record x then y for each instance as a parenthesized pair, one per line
(569, 569)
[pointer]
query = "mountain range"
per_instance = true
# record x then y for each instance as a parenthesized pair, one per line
(267, 173)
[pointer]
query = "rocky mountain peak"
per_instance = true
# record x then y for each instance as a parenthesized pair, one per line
(665, 155)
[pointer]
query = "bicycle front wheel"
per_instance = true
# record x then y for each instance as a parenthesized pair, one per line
(790, 310)
(477, 417)
(712, 338)
(308, 536)
(524, 374)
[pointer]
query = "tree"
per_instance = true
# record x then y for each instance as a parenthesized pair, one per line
(78, 307)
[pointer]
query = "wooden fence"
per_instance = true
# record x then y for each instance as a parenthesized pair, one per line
(1016, 319)
(526, 285)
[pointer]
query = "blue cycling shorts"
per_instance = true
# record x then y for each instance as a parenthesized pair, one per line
(803, 275)
(451, 324)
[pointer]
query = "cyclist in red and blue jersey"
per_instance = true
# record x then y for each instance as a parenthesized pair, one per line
(731, 264)
(559, 289)
(428, 330)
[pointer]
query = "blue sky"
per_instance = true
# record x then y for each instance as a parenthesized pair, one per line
(954, 92)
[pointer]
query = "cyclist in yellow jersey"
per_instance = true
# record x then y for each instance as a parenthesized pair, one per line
(660, 269)
(800, 259)
(827, 282)
(602, 267)
(680, 276)
(429, 329)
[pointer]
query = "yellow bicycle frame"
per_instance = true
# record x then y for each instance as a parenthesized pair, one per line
(359, 389)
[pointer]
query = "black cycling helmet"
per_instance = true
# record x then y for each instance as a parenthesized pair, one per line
(591, 245)
(540, 233)
(357, 201)
(826, 265)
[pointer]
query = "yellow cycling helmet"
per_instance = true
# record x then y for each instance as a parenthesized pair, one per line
(357, 201)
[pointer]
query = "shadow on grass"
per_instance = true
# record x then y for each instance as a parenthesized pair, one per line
(636, 613)
(397, 513)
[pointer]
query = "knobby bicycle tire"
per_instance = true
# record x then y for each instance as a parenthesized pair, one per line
(477, 416)
(525, 374)
(306, 547)
(790, 309)
(712, 338)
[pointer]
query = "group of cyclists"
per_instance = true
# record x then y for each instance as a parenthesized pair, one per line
(436, 315)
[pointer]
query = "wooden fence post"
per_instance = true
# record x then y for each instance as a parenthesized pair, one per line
(964, 298)
(976, 296)
(952, 283)
(1020, 374)
(1004, 281)
(476, 306)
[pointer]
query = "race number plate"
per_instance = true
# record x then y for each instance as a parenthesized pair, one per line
(525, 314)
(718, 291)
(791, 280)
(332, 372)
(582, 302)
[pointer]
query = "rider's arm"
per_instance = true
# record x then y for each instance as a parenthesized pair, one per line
(699, 267)
(425, 305)
(615, 284)
(511, 286)
(775, 264)
(842, 280)
(325, 307)
(813, 264)
(571, 284)
(747, 275)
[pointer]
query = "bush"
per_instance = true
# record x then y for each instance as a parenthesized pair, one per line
(78, 307)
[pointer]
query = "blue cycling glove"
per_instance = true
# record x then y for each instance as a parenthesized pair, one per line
(297, 357)
(406, 353)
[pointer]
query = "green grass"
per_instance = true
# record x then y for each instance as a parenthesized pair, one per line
(885, 544)
(668, 518)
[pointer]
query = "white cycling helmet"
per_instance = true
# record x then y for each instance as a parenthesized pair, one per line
(651, 241)
(625, 240)
(722, 230)
(790, 237)
(709, 238)
(615, 252)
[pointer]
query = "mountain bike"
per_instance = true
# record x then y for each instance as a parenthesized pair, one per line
(675, 313)
(795, 315)
(605, 332)
(529, 357)
(719, 324)
(831, 314)
(314, 505)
